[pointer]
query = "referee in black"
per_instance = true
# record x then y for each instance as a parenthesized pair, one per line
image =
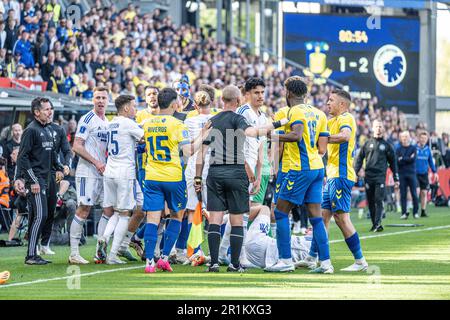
(36, 159)
(227, 182)
(378, 154)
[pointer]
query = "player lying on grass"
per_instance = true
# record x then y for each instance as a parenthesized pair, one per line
(261, 249)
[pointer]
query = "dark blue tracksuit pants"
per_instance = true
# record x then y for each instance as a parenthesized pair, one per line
(408, 181)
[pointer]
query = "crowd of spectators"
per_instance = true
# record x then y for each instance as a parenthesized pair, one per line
(127, 50)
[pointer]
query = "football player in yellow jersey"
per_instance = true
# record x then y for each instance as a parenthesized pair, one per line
(165, 137)
(341, 175)
(305, 137)
(151, 98)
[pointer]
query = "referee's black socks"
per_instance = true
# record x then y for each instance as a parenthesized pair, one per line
(214, 242)
(236, 241)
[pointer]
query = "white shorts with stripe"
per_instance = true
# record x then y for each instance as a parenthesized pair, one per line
(122, 194)
(89, 191)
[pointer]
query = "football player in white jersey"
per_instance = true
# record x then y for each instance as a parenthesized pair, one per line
(90, 145)
(254, 94)
(254, 150)
(202, 102)
(120, 183)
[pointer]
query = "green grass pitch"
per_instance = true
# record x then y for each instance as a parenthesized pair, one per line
(405, 263)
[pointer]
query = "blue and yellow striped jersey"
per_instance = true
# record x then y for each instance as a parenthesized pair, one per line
(304, 154)
(164, 135)
(341, 156)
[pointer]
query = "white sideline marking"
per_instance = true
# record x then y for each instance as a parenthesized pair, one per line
(68, 277)
(395, 233)
(138, 267)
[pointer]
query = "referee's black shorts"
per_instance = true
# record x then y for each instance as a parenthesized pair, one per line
(422, 180)
(227, 188)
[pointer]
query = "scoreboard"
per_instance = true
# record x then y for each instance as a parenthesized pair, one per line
(382, 62)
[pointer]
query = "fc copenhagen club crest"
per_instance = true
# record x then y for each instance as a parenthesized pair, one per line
(389, 65)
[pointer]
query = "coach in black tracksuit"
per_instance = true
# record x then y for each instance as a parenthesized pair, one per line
(36, 159)
(378, 154)
(62, 147)
(407, 155)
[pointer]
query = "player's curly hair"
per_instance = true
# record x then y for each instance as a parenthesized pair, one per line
(296, 85)
(202, 99)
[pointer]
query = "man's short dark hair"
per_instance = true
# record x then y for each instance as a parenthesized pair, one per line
(36, 104)
(151, 87)
(165, 97)
(252, 83)
(122, 100)
(342, 93)
(296, 86)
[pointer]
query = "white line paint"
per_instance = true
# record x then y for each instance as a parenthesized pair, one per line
(69, 277)
(395, 233)
(140, 267)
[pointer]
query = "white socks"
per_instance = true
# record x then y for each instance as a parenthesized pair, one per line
(109, 228)
(126, 241)
(102, 225)
(119, 234)
(76, 230)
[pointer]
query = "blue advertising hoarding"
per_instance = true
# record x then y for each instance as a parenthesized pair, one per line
(380, 62)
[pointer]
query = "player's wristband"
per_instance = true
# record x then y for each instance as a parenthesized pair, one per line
(276, 124)
(198, 180)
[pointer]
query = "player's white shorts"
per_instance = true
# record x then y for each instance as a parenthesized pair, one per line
(257, 241)
(89, 191)
(121, 194)
(192, 195)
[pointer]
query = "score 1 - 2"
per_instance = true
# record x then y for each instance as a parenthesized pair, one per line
(361, 64)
